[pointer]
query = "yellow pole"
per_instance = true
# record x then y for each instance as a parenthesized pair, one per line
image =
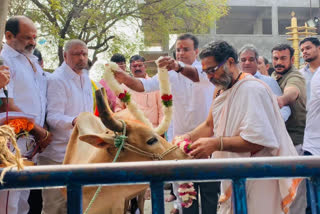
(295, 39)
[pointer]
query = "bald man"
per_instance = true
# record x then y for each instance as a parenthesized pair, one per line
(27, 93)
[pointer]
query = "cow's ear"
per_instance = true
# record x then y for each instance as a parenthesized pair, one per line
(97, 140)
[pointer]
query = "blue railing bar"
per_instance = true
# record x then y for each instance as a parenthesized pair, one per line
(74, 198)
(157, 198)
(162, 171)
(312, 195)
(239, 196)
(316, 184)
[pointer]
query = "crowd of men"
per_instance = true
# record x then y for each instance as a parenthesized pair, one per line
(227, 104)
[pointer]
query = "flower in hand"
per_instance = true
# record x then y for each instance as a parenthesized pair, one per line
(20, 125)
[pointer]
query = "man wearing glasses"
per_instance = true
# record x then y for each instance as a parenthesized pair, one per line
(244, 121)
(192, 97)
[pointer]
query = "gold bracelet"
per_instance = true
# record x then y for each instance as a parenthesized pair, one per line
(47, 135)
(221, 144)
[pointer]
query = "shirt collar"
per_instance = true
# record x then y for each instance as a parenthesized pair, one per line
(257, 75)
(69, 72)
(10, 52)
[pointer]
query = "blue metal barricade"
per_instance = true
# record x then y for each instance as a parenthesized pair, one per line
(158, 172)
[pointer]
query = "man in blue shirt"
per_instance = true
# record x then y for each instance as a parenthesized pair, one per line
(248, 56)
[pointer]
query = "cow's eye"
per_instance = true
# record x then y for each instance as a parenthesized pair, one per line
(152, 141)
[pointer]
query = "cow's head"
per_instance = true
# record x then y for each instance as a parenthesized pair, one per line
(141, 143)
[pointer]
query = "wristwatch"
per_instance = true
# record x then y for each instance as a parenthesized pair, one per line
(181, 66)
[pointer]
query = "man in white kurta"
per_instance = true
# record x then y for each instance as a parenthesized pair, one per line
(311, 141)
(244, 121)
(27, 94)
(69, 94)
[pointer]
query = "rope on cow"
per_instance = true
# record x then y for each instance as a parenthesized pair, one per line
(7, 158)
(119, 142)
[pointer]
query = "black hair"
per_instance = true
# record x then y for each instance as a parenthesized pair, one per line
(137, 58)
(220, 50)
(313, 40)
(266, 61)
(38, 54)
(190, 36)
(282, 47)
(117, 58)
(12, 25)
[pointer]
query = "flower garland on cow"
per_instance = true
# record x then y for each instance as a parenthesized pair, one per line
(125, 97)
(186, 190)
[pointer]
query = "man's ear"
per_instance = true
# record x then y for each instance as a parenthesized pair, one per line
(9, 36)
(98, 140)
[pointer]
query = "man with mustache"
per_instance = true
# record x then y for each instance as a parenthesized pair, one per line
(249, 56)
(26, 93)
(69, 94)
(293, 86)
(150, 102)
(244, 121)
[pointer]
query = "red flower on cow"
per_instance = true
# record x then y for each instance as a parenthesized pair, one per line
(167, 100)
(124, 97)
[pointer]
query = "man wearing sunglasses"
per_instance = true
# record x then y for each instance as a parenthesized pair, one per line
(192, 97)
(244, 121)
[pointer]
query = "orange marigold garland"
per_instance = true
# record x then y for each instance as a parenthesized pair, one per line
(20, 126)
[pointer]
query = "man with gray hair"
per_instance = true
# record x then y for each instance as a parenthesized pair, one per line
(249, 56)
(69, 94)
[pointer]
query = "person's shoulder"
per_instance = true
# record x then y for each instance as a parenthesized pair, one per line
(56, 75)
(295, 73)
(250, 85)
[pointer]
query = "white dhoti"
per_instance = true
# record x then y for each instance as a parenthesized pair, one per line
(14, 202)
(249, 110)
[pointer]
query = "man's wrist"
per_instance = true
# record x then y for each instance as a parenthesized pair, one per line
(181, 66)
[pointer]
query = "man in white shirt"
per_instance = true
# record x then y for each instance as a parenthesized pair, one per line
(192, 97)
(27, 94)
(69, 94)
(310, 48)
(248, 56)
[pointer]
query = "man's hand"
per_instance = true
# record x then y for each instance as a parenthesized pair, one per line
(42, 136)
(120, 75)
(169, 63)
(204, 147)
(281, 102)
(4, 76)
(180, 138)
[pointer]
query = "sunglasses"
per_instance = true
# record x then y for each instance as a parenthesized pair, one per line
(211, 70)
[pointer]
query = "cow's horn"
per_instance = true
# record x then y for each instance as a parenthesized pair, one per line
(105, 112)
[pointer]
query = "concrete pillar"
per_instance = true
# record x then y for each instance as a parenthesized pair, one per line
(213, 29)
(275, 23)
(3, 18)
(258, 26)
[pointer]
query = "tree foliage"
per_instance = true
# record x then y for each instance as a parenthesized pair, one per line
(95, 21)
(180, 16)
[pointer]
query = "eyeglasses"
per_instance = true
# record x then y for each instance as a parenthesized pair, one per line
(211, 70)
